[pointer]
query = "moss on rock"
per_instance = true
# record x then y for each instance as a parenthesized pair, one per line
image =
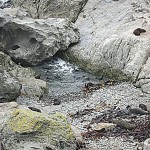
(25, 126)
(24, 121)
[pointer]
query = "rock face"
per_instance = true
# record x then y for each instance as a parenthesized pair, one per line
(30, 41)
(31, 87)
(51, 8)
(38, 130)
(5, 4)
(9, 88)
(108, 45)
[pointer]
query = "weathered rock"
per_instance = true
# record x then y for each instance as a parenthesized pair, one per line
(16, 70)
(26, 76)
(5, 4)
(34, 129)
(147, 144)
(33, 88)
(9, 87)
(5, 110)
(6, 62)
(51, 9)
(30, 41)
(108, 45)
(22, 72)
(105, 126)
(144, 77)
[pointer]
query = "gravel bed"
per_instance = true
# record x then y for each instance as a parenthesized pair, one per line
(119, 95)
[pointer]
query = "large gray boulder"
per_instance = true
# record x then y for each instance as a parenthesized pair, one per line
(108, 45)
(51, 8)
(9, 87)
(30, 41)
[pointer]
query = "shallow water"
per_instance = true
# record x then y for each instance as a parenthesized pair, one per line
(64, 78)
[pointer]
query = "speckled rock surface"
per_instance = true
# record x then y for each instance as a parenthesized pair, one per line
(108, 45)
(30, 41)
(9, 87)
(51, 9)
(26, 127)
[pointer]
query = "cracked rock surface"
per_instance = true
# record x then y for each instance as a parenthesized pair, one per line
(51, 8)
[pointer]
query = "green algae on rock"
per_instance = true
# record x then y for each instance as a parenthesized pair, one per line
(26, 125)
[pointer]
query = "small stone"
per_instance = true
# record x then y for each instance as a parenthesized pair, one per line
(106, 126)
(34, 109)
(56, 102)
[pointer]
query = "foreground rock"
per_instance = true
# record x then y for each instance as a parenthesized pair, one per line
(9, 88)
(108, 45)
(51, 9)
(30, 41)
(28, 129)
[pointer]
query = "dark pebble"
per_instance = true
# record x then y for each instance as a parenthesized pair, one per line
(34, 109)
(56, 102)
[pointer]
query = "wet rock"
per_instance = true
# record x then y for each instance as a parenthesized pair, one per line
(51, 9)
(37, 129)
(35, 39)
(9, 88)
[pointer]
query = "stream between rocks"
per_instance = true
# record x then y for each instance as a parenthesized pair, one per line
(65, 80)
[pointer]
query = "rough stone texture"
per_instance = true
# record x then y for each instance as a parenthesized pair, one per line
(30, 41)
(6, 62)
(147, 144)
(38, 130)
(33, 88)
(16, 70)
(5, 110)
(108, 45)
(9, 87)
(5, 4)
(51, 8)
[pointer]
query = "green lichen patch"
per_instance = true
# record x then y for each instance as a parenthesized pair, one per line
(24, 121)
